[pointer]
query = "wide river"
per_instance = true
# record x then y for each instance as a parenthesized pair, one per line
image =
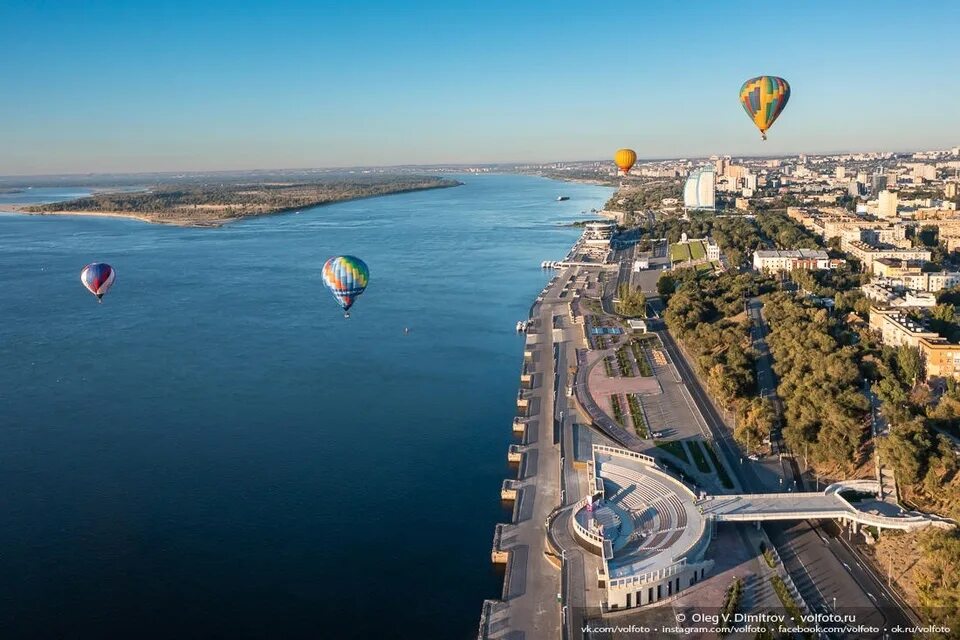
(216, 452)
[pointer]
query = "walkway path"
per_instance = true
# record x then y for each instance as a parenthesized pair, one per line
(530, 609)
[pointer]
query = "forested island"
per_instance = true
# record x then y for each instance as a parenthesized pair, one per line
(214, 204)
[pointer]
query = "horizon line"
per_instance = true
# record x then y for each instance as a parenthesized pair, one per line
(435, 165)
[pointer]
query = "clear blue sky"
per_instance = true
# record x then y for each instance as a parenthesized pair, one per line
(137, 86)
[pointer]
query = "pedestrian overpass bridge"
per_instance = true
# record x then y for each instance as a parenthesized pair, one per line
(829, 504)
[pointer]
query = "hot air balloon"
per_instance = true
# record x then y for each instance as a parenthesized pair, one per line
(763, 98)
(346, 277)
(624, 159)
(98, 277)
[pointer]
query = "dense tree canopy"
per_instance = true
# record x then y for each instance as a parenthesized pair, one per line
(819, 381)
(707, 313)
(938, 577)
(631, 302)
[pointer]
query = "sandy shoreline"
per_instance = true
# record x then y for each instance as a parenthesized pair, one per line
(190, 222)
(21, 209)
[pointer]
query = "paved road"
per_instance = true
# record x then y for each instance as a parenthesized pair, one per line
(872, 593)
(826, 571)
(765, 377)
(627, 257)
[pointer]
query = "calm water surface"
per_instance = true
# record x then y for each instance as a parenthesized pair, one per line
(216, 452)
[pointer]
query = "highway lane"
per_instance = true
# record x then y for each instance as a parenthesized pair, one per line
(829, 578)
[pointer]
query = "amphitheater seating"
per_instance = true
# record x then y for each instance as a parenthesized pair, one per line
(674, 536)
(681, 512)
(607, 517)
(657, 511)
(657, 541)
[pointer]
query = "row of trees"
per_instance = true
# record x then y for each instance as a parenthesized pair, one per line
(922, 458)
(816, 361)
(938, 585)
(706, 312)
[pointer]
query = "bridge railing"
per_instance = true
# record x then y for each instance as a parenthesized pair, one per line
(799, 495)
(885, 522)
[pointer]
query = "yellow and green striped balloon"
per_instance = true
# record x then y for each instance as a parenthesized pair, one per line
(763, 98)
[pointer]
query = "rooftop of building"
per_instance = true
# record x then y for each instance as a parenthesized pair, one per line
(809, 254)
(884, 248)
(905, 322)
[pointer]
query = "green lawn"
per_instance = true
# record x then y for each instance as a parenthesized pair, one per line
(626, 369)
(617, 410)
(679, 252)
(788, 602)
(608, 367)
(675, 447)
(636, 411)
(697, 452)
(697, 250)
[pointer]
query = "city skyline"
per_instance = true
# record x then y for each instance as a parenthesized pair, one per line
(181, 88)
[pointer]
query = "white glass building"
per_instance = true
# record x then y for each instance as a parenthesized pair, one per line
(700, 190)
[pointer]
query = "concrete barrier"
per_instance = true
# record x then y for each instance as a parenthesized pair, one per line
(486, 612)
(497, 554)
(592, 539)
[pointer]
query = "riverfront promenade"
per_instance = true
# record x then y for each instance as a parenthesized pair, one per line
(529, 607)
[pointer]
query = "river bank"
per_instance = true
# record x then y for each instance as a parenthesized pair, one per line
(208, 215)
